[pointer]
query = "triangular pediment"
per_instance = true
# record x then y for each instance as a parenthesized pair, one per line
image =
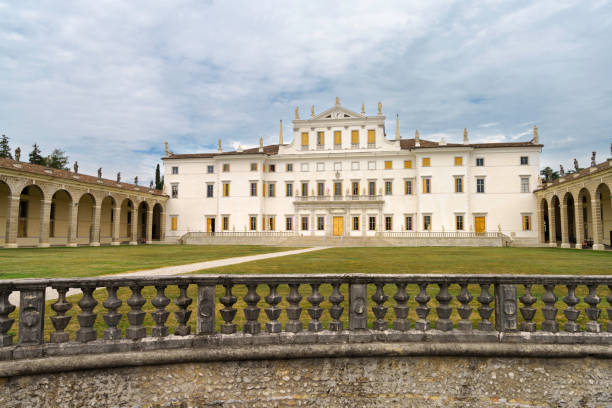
(336, 112)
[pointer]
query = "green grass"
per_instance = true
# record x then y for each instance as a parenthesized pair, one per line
(93, 261)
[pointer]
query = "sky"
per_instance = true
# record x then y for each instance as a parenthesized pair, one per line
(110, 81)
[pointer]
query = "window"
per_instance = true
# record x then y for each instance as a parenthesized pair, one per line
(289, 223)
(305, 223)
(524, 184)
(355, 188)
(372, 188)
(320, 138)
(174, 187)
(210, 188)
(320, 189)
(289, 167)
(459, 222)
(372, 223)
(426, 162)
(388, 165)
(407, 164)
(337, 138)
(321, 223)
(427, 222)
(354, 138)
(253, 166)
(354, 165)
(479, 162)
(320, 166)
(304, 139)
(271, 190)
(174, 170)
(337, 188)
(372, 165)
(426, 185)
(388, 223)
(271, 223)
(458, 161)
(272, 168)
(253, 222)
(305, 167)
(356, 223)
(226, 167)
(337, 165)
(289, 189)
(174, 223)
(409, 223)
(253, 189)
(225, 223)
(304, 189)
(371, 137)
(524, 160)
(480, 187)
(408, 187)
(225, 189)
(388, 187)
(526, 222)
(458, 184)
(210, 169)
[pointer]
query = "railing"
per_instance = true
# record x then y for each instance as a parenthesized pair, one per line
(438, 234)
(489, 308)
(374, 197)
(262, 234)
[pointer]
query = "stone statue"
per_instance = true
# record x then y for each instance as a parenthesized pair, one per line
(561, 170)
(76, 167)
(48, 162)
(593, 162)
(363, 108)
(119, 177)
(100, 172)
(17, 153)
(379, 108)
(337, 100)
(136, 180)
(576, 167)
(297, 113)
(151, 184)
(312, 111)
(219, 146)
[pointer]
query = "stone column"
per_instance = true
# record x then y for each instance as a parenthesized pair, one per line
(116, 227)
(597, 227)
(12, 222)
(45, 221)
(162, 226)
(579, 219)
(541, 231)
(94, 236)
(73, 214)
(134, 238)
(564, 227)
(552, 225)
(149, 227)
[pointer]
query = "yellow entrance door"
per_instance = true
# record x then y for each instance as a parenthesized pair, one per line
(479, 224)
(338, 226)
(209, 225)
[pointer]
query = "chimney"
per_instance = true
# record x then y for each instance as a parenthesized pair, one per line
(280, 133)
(219, 148)
(166, 152)
(397, 135)
(417, 142)
(536, 137)
(465, 136)
(261, 145)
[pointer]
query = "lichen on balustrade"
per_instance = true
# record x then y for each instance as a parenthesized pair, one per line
(128, 313)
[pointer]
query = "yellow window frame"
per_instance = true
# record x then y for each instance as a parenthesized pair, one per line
(337, 137)
(304, 138)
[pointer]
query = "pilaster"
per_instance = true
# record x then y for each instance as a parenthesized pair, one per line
(94, 236)
(45, 221)
(116, 226)
(578, 216)
(149, 226)
(12, 222)
(564, 227)
(597, 227)
(134, 237)
(73, 214)
(552, 225)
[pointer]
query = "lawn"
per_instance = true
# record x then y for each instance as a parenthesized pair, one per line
(93, 261)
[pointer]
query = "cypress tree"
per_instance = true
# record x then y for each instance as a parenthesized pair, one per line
(35, 157)
(5, 149)
(158, 182)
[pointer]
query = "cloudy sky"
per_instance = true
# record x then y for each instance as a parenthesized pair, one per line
(110, 81)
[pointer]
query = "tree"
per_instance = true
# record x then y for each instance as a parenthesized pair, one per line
(159, 184)
(35, 157)
(5, 149)
(59, 160)
(549, 174)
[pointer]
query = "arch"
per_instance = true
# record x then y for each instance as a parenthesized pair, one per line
(555, 219)
(5, 196)
(30, 215)
(107, 215)
(157, 218)
(544, 227)
(604, 198)
(60, 217)
(143, 208)
(85, 219)
(125, 220)
(569, 216)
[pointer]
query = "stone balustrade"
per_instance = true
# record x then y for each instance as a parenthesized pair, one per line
(304, 309)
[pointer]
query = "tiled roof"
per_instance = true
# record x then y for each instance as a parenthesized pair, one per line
(25, 167)
(573, 176)
(269, 150)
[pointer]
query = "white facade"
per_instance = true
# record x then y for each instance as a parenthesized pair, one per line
(494, 192)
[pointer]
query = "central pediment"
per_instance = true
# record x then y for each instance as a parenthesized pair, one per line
(337, 112)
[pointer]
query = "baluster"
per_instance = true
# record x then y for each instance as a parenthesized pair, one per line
(549, 310)
(444, 310)
(465, 310)
(315, 312)
(401, 310)
(251, 312)
(86, 318)
(136, 315)
(571, 313)
(609, 299)
(60, 320)
(273, 312)
(112, 318)
(182, 315)
(485, 310)
(527, 311)
(592, 311)
(380, 310)
(335, 311)
(6, 308)
(228, 312)
(294, 310)
(422, 309)
(160, 301)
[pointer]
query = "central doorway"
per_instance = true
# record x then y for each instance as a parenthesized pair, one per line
(338, 226)
(479, 224)
(210, 225)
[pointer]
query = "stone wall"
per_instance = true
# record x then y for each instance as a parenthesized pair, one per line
(426, 381)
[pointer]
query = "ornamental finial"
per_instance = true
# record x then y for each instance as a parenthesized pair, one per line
(297, 113)
(379, 108)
